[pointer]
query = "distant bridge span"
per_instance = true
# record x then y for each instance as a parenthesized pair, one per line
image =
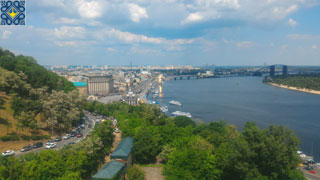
(272, 69)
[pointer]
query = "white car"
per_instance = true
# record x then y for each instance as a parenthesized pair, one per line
(67, 136)
(8, 153)
(116, 130)
(51, 145)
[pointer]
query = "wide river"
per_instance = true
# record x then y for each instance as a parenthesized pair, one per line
(238, 100)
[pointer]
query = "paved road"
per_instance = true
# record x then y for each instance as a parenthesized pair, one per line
(110, 99)
(309, 175)
(63, 143)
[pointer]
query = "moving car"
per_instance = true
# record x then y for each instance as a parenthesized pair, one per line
(51, 145)
(8, 153)
(37, 145)
(309, 168)
(26, 148)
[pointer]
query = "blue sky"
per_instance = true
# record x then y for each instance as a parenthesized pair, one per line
(168, 32)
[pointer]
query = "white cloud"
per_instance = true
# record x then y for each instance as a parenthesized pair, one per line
(137, 12)
(66, 43)
(137, 38)
(51, 3)
(92, 9)
(136, 49)
(292, 22)
(65, 32)
(6, 34)
(314, 47)
(284, 47)
(282, 12)
(299, 36)
(76, 43)
(64, 20)
(111, 49)
(193, 17)
(245, 44)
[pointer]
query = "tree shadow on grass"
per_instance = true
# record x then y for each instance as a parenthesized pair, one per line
(2, 101)
(4, 121)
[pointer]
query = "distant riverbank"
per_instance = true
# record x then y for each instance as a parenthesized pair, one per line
(295, 88)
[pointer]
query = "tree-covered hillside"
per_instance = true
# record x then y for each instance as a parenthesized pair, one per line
(37, 75)
(214, 151)
(39, 99)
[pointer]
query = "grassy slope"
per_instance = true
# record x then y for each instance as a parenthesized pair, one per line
(6, 116)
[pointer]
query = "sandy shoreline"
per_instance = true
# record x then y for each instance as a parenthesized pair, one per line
(295, 88)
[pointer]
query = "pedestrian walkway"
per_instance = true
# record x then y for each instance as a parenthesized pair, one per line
(153, 173)
(116, 141)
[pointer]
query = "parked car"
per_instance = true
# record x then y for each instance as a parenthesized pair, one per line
(37, 145)
(66, 136)
(26, 148)
(72, 142)
(8, 153)
(59, 138)
(51, 145)
(82, 126)
(73, 134)
(89, 126)
(49, 142)
(116, 130)
(79, 135)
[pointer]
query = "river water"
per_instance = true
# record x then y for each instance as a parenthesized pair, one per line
(238, 100)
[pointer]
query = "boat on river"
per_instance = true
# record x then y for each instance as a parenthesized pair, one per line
(179, 113)
(164, 109)
(177, 103)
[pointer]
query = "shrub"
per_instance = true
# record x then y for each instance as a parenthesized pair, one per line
(135, 173)
(182, 121)
(10, 138)
(34, 137)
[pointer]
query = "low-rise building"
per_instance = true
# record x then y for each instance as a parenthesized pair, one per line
(111, 171)
(123, 152)
(82, 87)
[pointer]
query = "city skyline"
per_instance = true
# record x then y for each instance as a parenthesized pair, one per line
(221, 32)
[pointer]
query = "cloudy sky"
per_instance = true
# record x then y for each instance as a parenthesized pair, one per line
(163, 32)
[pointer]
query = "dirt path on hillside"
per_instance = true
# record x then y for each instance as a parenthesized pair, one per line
(153, 173)
(116, 141)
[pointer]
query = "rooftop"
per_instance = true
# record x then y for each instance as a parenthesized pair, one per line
(79, 84)
(123, 149)
(109, 170)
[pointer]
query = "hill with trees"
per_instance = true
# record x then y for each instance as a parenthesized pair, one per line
(34, 100)
(205, 151)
